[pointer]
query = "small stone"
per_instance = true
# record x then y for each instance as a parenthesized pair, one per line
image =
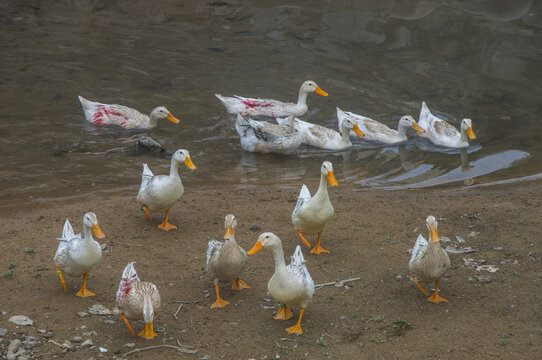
(102, 349)
(14, 345)
(498, 248)
(99, 310)
(87, 343)
(42, 331)
(48, 335)
(76, 339)
(11, 355)
(82, 314)
(3, 331)
(460, 239)
(21, 320)
(129, 345)
(23, 357)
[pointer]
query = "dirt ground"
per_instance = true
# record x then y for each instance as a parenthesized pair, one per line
(381, 316)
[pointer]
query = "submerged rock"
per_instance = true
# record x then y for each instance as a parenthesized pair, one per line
(146, 144)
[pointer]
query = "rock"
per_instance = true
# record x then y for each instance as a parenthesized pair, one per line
(23, 357)
(14, 345)
(129, 345)
(146, 144)
(3, 331)
(102, 349)
(66, 345)
(460, 239)
(99, 310)
(48, 335)
(76, 339)
(21, 320)
(87, 343)
(11, 355)
(82, 314)
(42, 331)
(30, 341)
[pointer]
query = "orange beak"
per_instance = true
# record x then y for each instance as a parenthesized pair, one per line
(470, 133)
(357, 130)
(434, 234)
(97, 231)
(417, 127)
(229, 232)
(320, 91)
(172, 118)
(331, 179)
(257, 247)
(188, 162)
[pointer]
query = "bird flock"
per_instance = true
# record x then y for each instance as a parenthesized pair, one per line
(290, 285)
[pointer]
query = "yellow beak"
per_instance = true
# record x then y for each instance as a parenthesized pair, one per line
(257, 247)
(331, 179)
(357, 130)
(97, 231)
(188, 162)
(470, 133)
(229, 232)
(172, 118)
(320, 91)
(417, 127)
(434, 234)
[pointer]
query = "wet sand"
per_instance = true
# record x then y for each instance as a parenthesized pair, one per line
(381, 316)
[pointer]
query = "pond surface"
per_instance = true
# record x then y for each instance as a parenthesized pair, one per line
(475, 59)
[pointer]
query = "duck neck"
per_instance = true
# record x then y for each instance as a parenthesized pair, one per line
(148, 311)
(401, 131)
(345, 139)
(322, 188)
(174, 169)
(278, 256)
(302, 99)
(87, 233)
(463, 139)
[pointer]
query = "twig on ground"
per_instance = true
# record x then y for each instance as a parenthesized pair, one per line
(338, 283)
(183, 349)
(176, 312)
(189, 349)
(186, 301)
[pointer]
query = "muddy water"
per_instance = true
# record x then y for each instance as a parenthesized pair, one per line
(478, 59)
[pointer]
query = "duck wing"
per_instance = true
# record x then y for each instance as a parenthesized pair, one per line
(213, 247)
(303, 198)
(420, 242)
(299, 271)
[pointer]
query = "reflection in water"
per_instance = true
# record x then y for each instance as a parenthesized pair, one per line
(380, 58)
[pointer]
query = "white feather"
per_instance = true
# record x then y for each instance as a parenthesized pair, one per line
(420, 242)
(304, 196)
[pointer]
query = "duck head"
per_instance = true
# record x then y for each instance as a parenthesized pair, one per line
(161, 112)
(90, 221)
(267, 239)
(230, 222)
(408, 121)
(327, 171)
(432, 225)
(182, 156)
(350, 124)
(466, 125)
(310, 86)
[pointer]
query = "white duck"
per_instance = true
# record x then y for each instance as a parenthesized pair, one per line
(325, 138)
(158, 193)
(137, 300)
(292, 284)
(273, 108)
(429, 262)
(265, 137)
(442, 133)
(128, 118)
(76, 255)
(311, 214)
(226, 260)
(376, 131)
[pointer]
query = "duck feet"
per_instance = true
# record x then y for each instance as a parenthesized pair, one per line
(147, 333)
(283, 313)
(419, 286)
(296, 329)
(84, 292)
(307, 244)
(165, 225)
(435, 298)
(219, 303)
(146, 211)
(239, 284)
(61, 278)
(317, 248)
(127, 324)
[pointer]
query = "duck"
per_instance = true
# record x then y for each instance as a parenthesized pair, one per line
(376, 131)
(442, 133)
(158, 193)
(77, 255)
(429, 261)
(123, 116)
(311, 214)
(325, 138)
(226, 261)
(265, 137)
(272, 108)
(137, 300)
(290, 285)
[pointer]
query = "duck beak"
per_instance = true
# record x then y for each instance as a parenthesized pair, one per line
(257, 247)
(357, 130)
(188, 162)
(97, 231)
(229, 232)
(434, 234)
(331, 179)
(417, 127)
(470, 133)
(320, 91)
(172, 118)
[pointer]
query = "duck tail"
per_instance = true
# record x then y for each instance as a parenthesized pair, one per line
(67, 232)
(297, 258)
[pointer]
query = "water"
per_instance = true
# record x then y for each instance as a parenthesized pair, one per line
(476, 59)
